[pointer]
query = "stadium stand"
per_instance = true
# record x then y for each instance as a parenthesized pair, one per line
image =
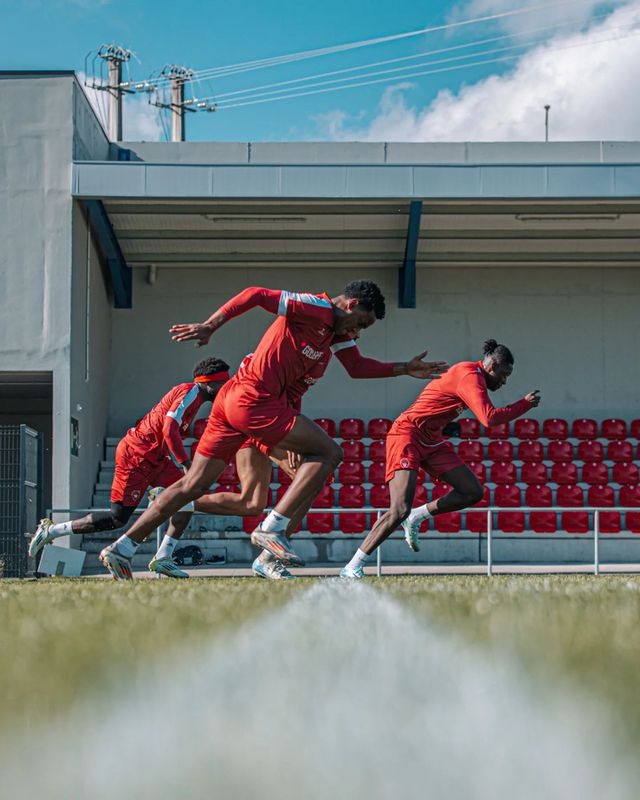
(556, 462)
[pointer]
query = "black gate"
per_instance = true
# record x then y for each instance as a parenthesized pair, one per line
(20, 494)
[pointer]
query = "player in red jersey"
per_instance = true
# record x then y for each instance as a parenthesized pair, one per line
(416, 440)
(254, 404)
(151, 454)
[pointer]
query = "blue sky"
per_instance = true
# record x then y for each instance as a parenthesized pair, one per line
(49, 34)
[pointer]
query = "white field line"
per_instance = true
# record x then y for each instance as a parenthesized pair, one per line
(341, 694)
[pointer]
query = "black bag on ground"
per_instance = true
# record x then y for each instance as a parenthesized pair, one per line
(189, 556)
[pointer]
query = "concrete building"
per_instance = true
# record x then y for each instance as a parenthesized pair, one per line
(105, 245)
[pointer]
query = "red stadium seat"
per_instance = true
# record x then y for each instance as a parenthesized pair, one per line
(469, 428)
(352, 523)
(595, 472)
(351, 428)
(533, 473)
(379, 496)
(575, 521)
(420, 497)
(249, 524)
(198, 427)
(352, 450)
(560, 450)
(543, 521)
(377, 472)
(327, 425)
(351, 472)
(526, 428)
(632, 521)
(439, 490)
(476, 521)
(570, 496)
(448, 523)
(634, 429)
(351, 497)
(500, 451)
(530, 451)
(511, 521)
(502, 472)
(610, 522)
(555, 429)
(601, 495)
(590, 451)
(629, 496)
(378, 450)
(626, 473)
(537, 496)
(564, 473)
(326, 498)
(507, 496)
(471, 450)
(614, 429)
(584, 429)
(620, 451)
(480, 470)
(229, 474)
(486, 499)
(284, 479)
(320, 523)
(378, 428)
(500, 431)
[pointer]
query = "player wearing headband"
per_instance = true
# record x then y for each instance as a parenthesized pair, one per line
(151, 454)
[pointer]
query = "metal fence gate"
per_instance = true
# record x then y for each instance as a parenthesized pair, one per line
(20, 494)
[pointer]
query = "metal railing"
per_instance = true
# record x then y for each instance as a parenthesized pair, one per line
(490, 532)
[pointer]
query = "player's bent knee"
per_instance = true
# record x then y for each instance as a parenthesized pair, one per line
(335, 456)
(400, 510)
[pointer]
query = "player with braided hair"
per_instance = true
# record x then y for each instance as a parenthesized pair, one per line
(150, 454)
(416, 440)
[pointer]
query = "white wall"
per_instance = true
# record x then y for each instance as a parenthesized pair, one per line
(573, 332)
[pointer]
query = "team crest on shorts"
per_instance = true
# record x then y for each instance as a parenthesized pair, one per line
(404, 463)
(135, 495)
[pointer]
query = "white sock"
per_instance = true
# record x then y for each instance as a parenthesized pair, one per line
(275, 523)
(126, 546)
(359, 560)
(60, 529)
(167, 547)
(419, 514)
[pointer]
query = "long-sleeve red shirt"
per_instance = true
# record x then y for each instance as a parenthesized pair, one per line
(296, 349)
(462, 387)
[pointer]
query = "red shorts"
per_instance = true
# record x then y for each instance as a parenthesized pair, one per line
(263, 448)
(240, 412)
(406, 450)
(134, 474)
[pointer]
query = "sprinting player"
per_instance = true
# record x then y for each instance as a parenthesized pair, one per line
(415, 440)
(151, 454)
(254, 404)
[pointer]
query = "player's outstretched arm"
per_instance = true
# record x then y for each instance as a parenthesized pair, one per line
(359, 366)
(473, 392)
(253, 297)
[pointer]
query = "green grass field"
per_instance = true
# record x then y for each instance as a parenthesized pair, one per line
(61, 638)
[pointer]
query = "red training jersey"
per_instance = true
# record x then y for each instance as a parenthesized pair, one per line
(297, 347)
(463, 386)
(159, 433)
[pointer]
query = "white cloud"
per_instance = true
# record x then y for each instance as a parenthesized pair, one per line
(592, 91)
(140, 121)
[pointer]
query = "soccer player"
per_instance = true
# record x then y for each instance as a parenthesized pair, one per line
(151, 454)
(254, 403)
(415, 440)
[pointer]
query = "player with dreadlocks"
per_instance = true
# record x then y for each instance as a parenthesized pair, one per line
(151, 454)
(415, 440)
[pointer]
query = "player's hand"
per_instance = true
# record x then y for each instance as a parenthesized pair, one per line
(533, 397)
(199, 331)
(418, 368)
(293, 460)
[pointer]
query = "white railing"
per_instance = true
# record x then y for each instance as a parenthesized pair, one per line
(596, 511)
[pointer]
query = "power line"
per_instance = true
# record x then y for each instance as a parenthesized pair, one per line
(245, 66)
(359, 83)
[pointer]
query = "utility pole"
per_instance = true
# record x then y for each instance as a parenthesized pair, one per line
(546, 123)
(114, 56)
(176, 104)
